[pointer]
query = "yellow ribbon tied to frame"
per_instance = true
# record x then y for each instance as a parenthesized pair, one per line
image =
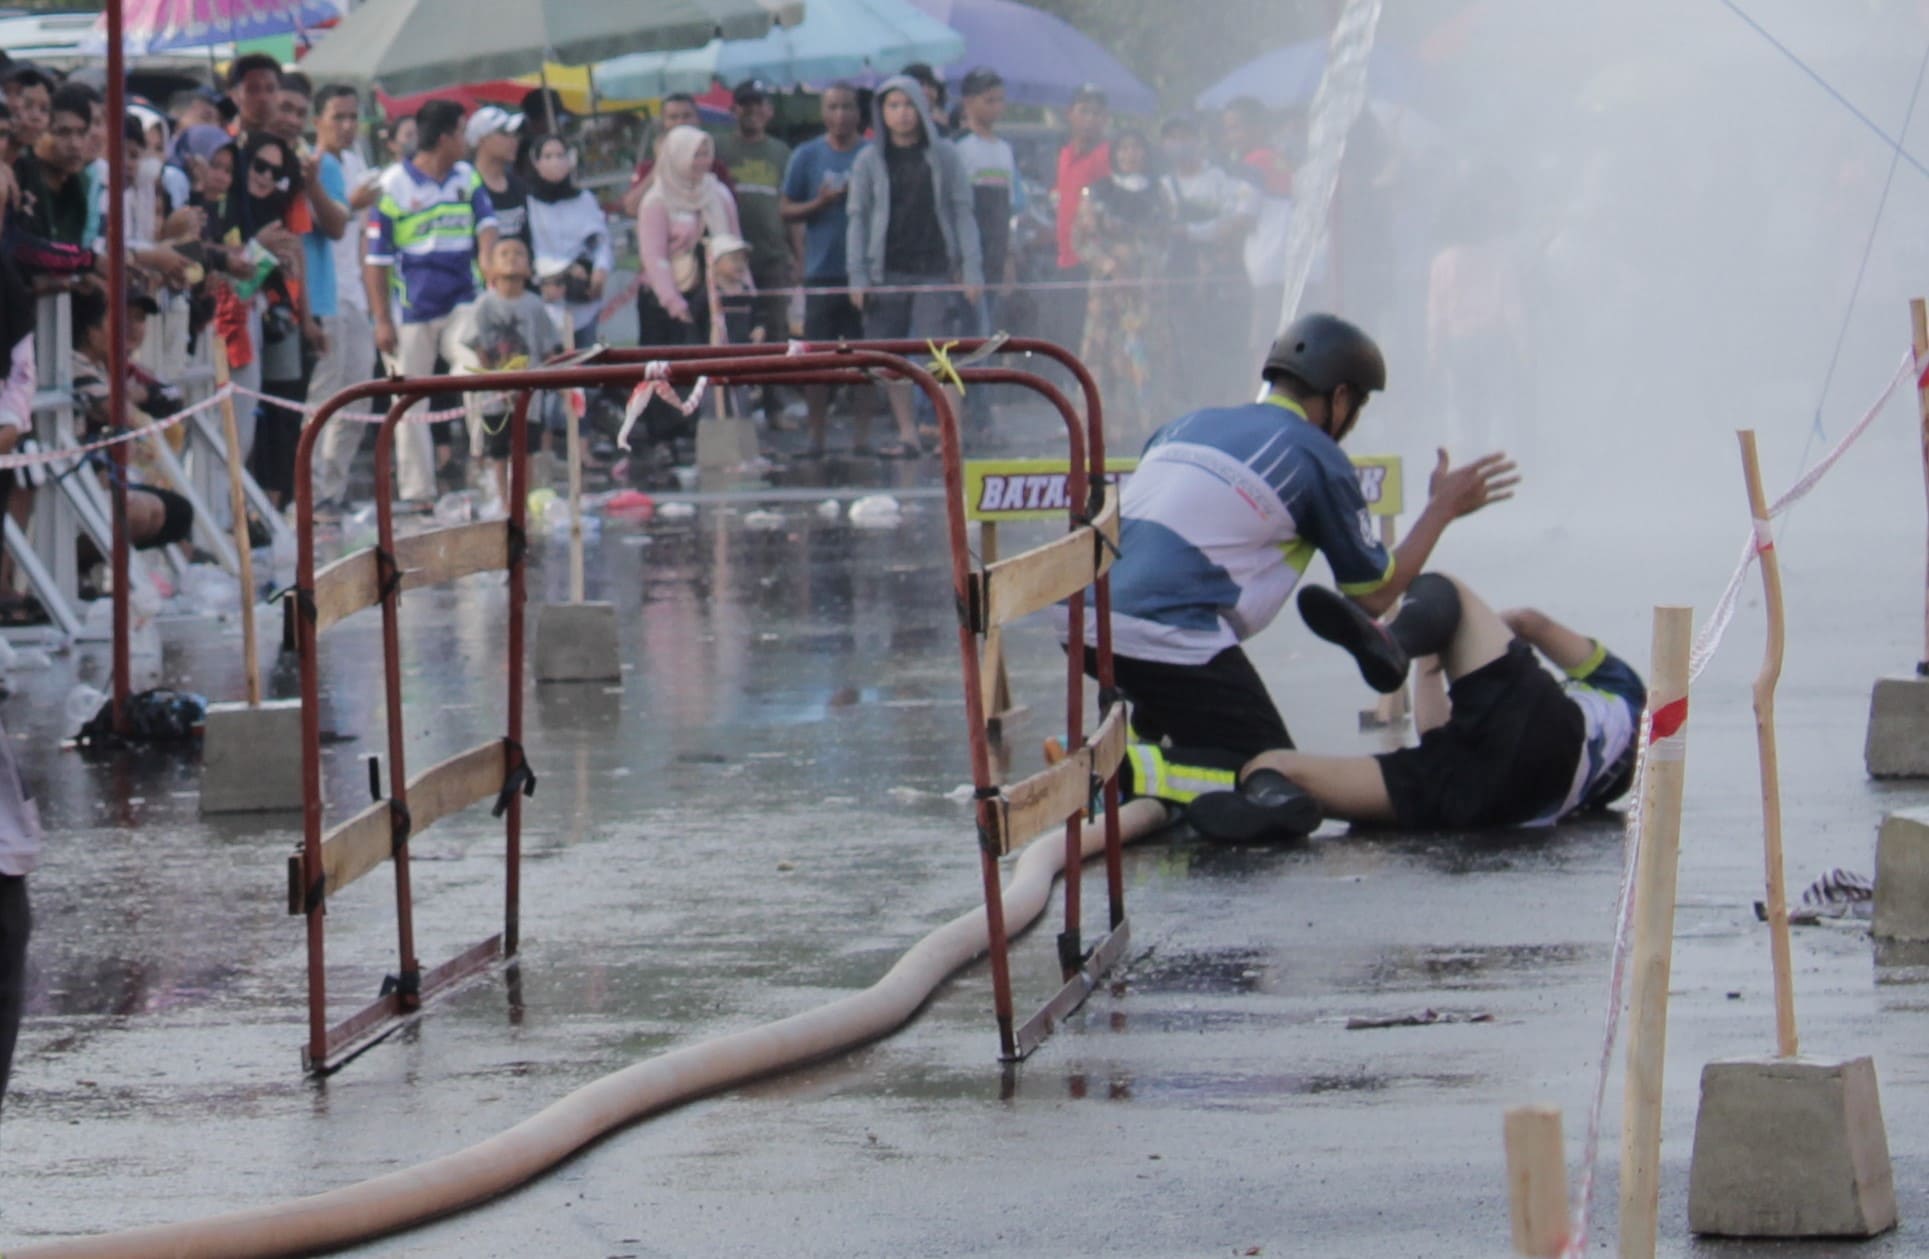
(941, 365)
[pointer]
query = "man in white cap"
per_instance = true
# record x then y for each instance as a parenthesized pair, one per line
(493, 134)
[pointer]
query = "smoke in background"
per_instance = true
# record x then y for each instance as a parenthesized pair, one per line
(1604, 236)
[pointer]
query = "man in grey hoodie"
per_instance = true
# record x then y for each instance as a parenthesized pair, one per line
(911, 227)
(19, 848)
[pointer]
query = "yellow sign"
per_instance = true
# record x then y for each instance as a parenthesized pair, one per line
(1034, 489)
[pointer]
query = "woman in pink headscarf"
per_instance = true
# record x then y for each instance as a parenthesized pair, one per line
(685, 205)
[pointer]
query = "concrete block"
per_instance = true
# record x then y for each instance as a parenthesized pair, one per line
(251, 758)
(725, 442)
(1902, 877)
(1790, 1147)
(576, 642)
(1898, 744)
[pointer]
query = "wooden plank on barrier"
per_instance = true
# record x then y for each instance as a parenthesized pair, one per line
(1036, 804)
(1108, 742)
(352, 583)
(346, 587)
(453, 785)
(1038, 578)
(349, 851)
(436, 556)
(366, 840)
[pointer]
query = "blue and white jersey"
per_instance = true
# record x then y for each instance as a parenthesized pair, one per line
(426, 230)
(1219, 523)
(1611, 697)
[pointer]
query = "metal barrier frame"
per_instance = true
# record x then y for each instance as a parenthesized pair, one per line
(1004, 812)
(376, 577)
(77, 504)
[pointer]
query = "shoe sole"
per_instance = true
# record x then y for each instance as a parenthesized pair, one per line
(1232, 817)
(1340, 621)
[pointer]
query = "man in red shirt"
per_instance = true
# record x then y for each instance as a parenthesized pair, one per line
(1085, 159)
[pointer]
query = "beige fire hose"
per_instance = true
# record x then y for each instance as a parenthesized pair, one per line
(442, 1186)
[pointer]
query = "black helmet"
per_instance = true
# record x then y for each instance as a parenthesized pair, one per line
(1326, 352)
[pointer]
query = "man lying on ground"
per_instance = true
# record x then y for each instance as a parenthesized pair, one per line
(1502, 743)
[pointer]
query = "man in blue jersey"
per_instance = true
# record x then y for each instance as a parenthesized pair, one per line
(1502, 742)
(1220, 521)
(431, 225)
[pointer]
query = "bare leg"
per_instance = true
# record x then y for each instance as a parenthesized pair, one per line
(863, 407)
(817, 398)
(1349, 787)
(1567, 649)
(898, 393)
(1430, 706)
(1481, 639)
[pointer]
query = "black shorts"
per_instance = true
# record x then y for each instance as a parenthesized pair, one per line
(1506, 756)
(495, 435)
(831, 317)
(1219, 707)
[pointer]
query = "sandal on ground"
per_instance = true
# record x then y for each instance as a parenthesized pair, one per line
(899, 450)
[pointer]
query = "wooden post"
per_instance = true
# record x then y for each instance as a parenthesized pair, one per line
(1919, 325)
(238, 506)
(1765, 682)
(1536, 1180)
(574, 454)
(1654, 901)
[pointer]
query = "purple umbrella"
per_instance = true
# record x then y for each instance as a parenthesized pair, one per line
(1043, 60)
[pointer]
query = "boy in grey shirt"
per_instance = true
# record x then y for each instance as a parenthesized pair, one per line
(513, 331)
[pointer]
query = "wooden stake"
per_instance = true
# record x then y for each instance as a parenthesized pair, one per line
(238, 506)
(575, 456)
(1654, 901)
(1919, 325)
(1536, 1180)
(1765, 682)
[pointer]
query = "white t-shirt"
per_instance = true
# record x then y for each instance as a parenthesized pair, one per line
(348, 250)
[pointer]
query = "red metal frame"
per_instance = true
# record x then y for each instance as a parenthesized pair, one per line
(1080, 969)
(854, 363)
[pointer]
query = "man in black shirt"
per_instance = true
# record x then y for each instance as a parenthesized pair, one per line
(492, 133)
(51, 176)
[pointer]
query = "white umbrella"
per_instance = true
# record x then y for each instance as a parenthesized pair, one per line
(836, 39)
(419, 45)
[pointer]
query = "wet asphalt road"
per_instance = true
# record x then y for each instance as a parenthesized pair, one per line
(757, 820)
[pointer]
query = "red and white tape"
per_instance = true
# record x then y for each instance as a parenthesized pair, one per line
(64, 454)
(359, 417)
(656, 384)
(1665, 739)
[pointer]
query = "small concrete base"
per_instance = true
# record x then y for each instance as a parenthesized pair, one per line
(1790, 1148)
(576, 642)
(1898, 744)
(1902, 877)
(725, 443)
(251, 758)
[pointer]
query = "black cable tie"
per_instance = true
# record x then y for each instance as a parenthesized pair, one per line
(303, 597)
(400, 826)
(520, 778)
(1102, 541)
(992, 839)
(518, 543)
(973, 607)
(1108, 696)
(317, 894)
(374, 778)
(407, 985)
(388, 578)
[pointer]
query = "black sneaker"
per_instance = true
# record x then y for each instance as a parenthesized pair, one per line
(1338, 619)
(1267, 806)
